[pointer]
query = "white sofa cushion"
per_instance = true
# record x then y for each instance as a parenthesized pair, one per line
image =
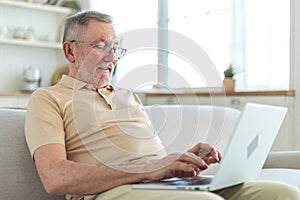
(19, 179)
(182, 126)
(290, 176)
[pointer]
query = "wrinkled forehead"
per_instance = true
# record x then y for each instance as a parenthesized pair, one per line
(98, 31)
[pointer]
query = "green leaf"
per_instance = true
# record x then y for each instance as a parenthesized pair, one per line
(230, 71)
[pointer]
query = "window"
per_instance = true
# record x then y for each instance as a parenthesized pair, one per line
(251, 34)
(132, 18)
(260, 44)
(208, 24)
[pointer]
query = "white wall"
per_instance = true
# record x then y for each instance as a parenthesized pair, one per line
(295, 65)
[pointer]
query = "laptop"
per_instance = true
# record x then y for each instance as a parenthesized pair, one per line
(244, 156)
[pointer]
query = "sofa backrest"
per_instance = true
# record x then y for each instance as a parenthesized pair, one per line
(19, 179)
(178, 126)
(182, 126)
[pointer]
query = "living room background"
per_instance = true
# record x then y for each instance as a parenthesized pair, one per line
(253, 35)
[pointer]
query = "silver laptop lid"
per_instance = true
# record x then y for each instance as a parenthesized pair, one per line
(253, 138)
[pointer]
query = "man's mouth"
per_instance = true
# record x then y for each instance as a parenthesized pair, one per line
(108, 68)
(103, 68)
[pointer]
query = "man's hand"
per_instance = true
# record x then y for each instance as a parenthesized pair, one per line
(207, 152)
(188, 164)
(175, 165)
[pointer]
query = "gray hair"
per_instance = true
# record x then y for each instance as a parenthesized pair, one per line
(75, 25)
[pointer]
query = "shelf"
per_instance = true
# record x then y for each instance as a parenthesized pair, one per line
(37, 6)
(14, 94)
(154, 93)
(30, 43)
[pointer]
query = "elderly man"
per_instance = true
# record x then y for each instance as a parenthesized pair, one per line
(91, 141)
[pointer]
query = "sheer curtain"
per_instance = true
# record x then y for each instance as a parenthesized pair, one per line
(260, 44)
(133, 19)
(208, 25)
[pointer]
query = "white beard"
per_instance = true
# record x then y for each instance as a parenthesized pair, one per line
(91, 78)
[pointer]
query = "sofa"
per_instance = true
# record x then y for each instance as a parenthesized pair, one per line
(178, 126)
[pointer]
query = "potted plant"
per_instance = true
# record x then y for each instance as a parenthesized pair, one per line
(229, 81)
(73, 4)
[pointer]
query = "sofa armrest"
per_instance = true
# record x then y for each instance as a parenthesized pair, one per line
(283, 159)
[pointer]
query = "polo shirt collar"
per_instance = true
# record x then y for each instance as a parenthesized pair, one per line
(73, 83)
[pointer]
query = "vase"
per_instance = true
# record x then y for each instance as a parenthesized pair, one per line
(228, 84)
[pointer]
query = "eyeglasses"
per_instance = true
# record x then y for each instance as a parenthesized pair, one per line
(118, 51)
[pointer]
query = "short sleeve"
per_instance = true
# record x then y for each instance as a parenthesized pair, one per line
(44, 122)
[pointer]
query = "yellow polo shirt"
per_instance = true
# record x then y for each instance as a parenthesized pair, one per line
(107, 126)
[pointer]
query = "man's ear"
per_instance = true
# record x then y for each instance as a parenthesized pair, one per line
(68, 51)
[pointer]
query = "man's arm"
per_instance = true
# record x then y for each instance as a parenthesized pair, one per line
(61, 176)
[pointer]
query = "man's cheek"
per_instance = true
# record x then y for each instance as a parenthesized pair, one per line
(93, 61)
(97, 56)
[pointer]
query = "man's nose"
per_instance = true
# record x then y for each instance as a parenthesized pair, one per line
(110, 56)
